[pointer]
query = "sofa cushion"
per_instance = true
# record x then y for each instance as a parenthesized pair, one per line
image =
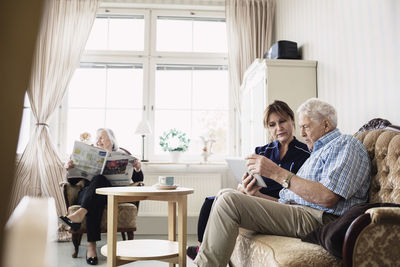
(256, 250)
(331, 235)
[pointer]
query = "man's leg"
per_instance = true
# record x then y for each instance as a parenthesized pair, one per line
(232, 210)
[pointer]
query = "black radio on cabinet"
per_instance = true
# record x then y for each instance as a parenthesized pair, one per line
(283, 50)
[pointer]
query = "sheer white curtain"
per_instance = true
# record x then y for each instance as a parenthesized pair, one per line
(249, 27)
(64, 30)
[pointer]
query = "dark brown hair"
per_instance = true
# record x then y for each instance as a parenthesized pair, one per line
(280, 108)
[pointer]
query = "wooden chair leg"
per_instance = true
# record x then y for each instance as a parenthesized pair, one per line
(130, 235)
(76, 240)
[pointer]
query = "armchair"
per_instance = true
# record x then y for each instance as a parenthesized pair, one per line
(127, 213)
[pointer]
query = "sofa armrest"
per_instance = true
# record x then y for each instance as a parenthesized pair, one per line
(367, 230)
(351, 236)
(384, 214)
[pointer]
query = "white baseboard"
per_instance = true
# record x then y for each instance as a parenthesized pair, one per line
(154, 225)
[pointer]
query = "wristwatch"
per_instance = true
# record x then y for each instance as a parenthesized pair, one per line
(286, 182)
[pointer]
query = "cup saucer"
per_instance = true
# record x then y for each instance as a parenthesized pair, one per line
(165, 187)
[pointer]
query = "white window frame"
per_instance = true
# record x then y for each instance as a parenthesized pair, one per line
(149, 58)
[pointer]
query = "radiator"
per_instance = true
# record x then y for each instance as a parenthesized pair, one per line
(203, 184)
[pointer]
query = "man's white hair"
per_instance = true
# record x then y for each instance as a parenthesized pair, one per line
(318, 110)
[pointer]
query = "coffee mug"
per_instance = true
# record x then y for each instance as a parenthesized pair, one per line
(166, 180)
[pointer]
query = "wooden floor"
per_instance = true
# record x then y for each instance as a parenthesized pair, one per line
(65, 249)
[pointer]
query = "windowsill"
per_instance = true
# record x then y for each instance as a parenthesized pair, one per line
(187, 167)
(183, 163)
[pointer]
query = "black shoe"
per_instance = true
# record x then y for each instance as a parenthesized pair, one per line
(192, 252)
(74, 226)
(91, 260)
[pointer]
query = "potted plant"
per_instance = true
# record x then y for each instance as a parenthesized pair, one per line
(175, 142)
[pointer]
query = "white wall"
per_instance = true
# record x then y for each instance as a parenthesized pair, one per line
(357, 46)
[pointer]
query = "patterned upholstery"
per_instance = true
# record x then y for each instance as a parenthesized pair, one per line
(257, 250)
(381, 236)
(377, 244)
(127, 214)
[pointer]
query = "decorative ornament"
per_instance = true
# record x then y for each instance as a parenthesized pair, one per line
(174, 140)
(85, 138)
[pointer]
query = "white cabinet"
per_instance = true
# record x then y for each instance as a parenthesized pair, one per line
(266, 80)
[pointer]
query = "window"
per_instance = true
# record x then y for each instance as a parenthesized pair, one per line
(105, 95)
(117, 32)
(26, 123)
(200, 103)
(169, 67)
(191, 34)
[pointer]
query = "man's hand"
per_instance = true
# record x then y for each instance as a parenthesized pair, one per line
(263, 166)
(249, 185)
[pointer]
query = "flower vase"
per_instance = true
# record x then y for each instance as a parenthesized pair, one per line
(175, 156)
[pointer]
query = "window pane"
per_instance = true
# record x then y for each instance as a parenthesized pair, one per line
(117, 33)
(106, 95)
(87, 88)
(83, 120)
(212, 123)
(98, 36)
(25, 127)
(186, 34)
(126, 34)
(210, 89)
(174, 35)
(191, 86)
(123, 123)
(125, 87)
(27, 104)
(24, 131)
(173, 88)
(209, 36)
(198, 96)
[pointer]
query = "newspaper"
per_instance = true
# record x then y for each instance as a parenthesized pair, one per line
(90, 161)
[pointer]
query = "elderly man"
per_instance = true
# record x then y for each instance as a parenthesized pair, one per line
(335, 177)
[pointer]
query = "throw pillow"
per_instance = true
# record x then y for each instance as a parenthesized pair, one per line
(331, 235)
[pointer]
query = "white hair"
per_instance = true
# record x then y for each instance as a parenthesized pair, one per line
(111, 135)
(318, 110)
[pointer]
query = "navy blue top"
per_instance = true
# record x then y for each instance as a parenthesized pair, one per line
(296, 155)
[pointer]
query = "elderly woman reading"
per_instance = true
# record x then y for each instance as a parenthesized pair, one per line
(92, 205)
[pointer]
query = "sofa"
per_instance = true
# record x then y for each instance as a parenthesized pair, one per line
(372, 239)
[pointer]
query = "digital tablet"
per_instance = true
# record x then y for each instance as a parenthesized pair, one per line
(239, 168)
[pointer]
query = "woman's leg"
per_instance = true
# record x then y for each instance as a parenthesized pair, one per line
(78, 215)
(91, 250)
(94, 204)
(201, 226)
(203, 217)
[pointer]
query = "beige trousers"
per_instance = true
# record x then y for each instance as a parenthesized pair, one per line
(233, 209)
